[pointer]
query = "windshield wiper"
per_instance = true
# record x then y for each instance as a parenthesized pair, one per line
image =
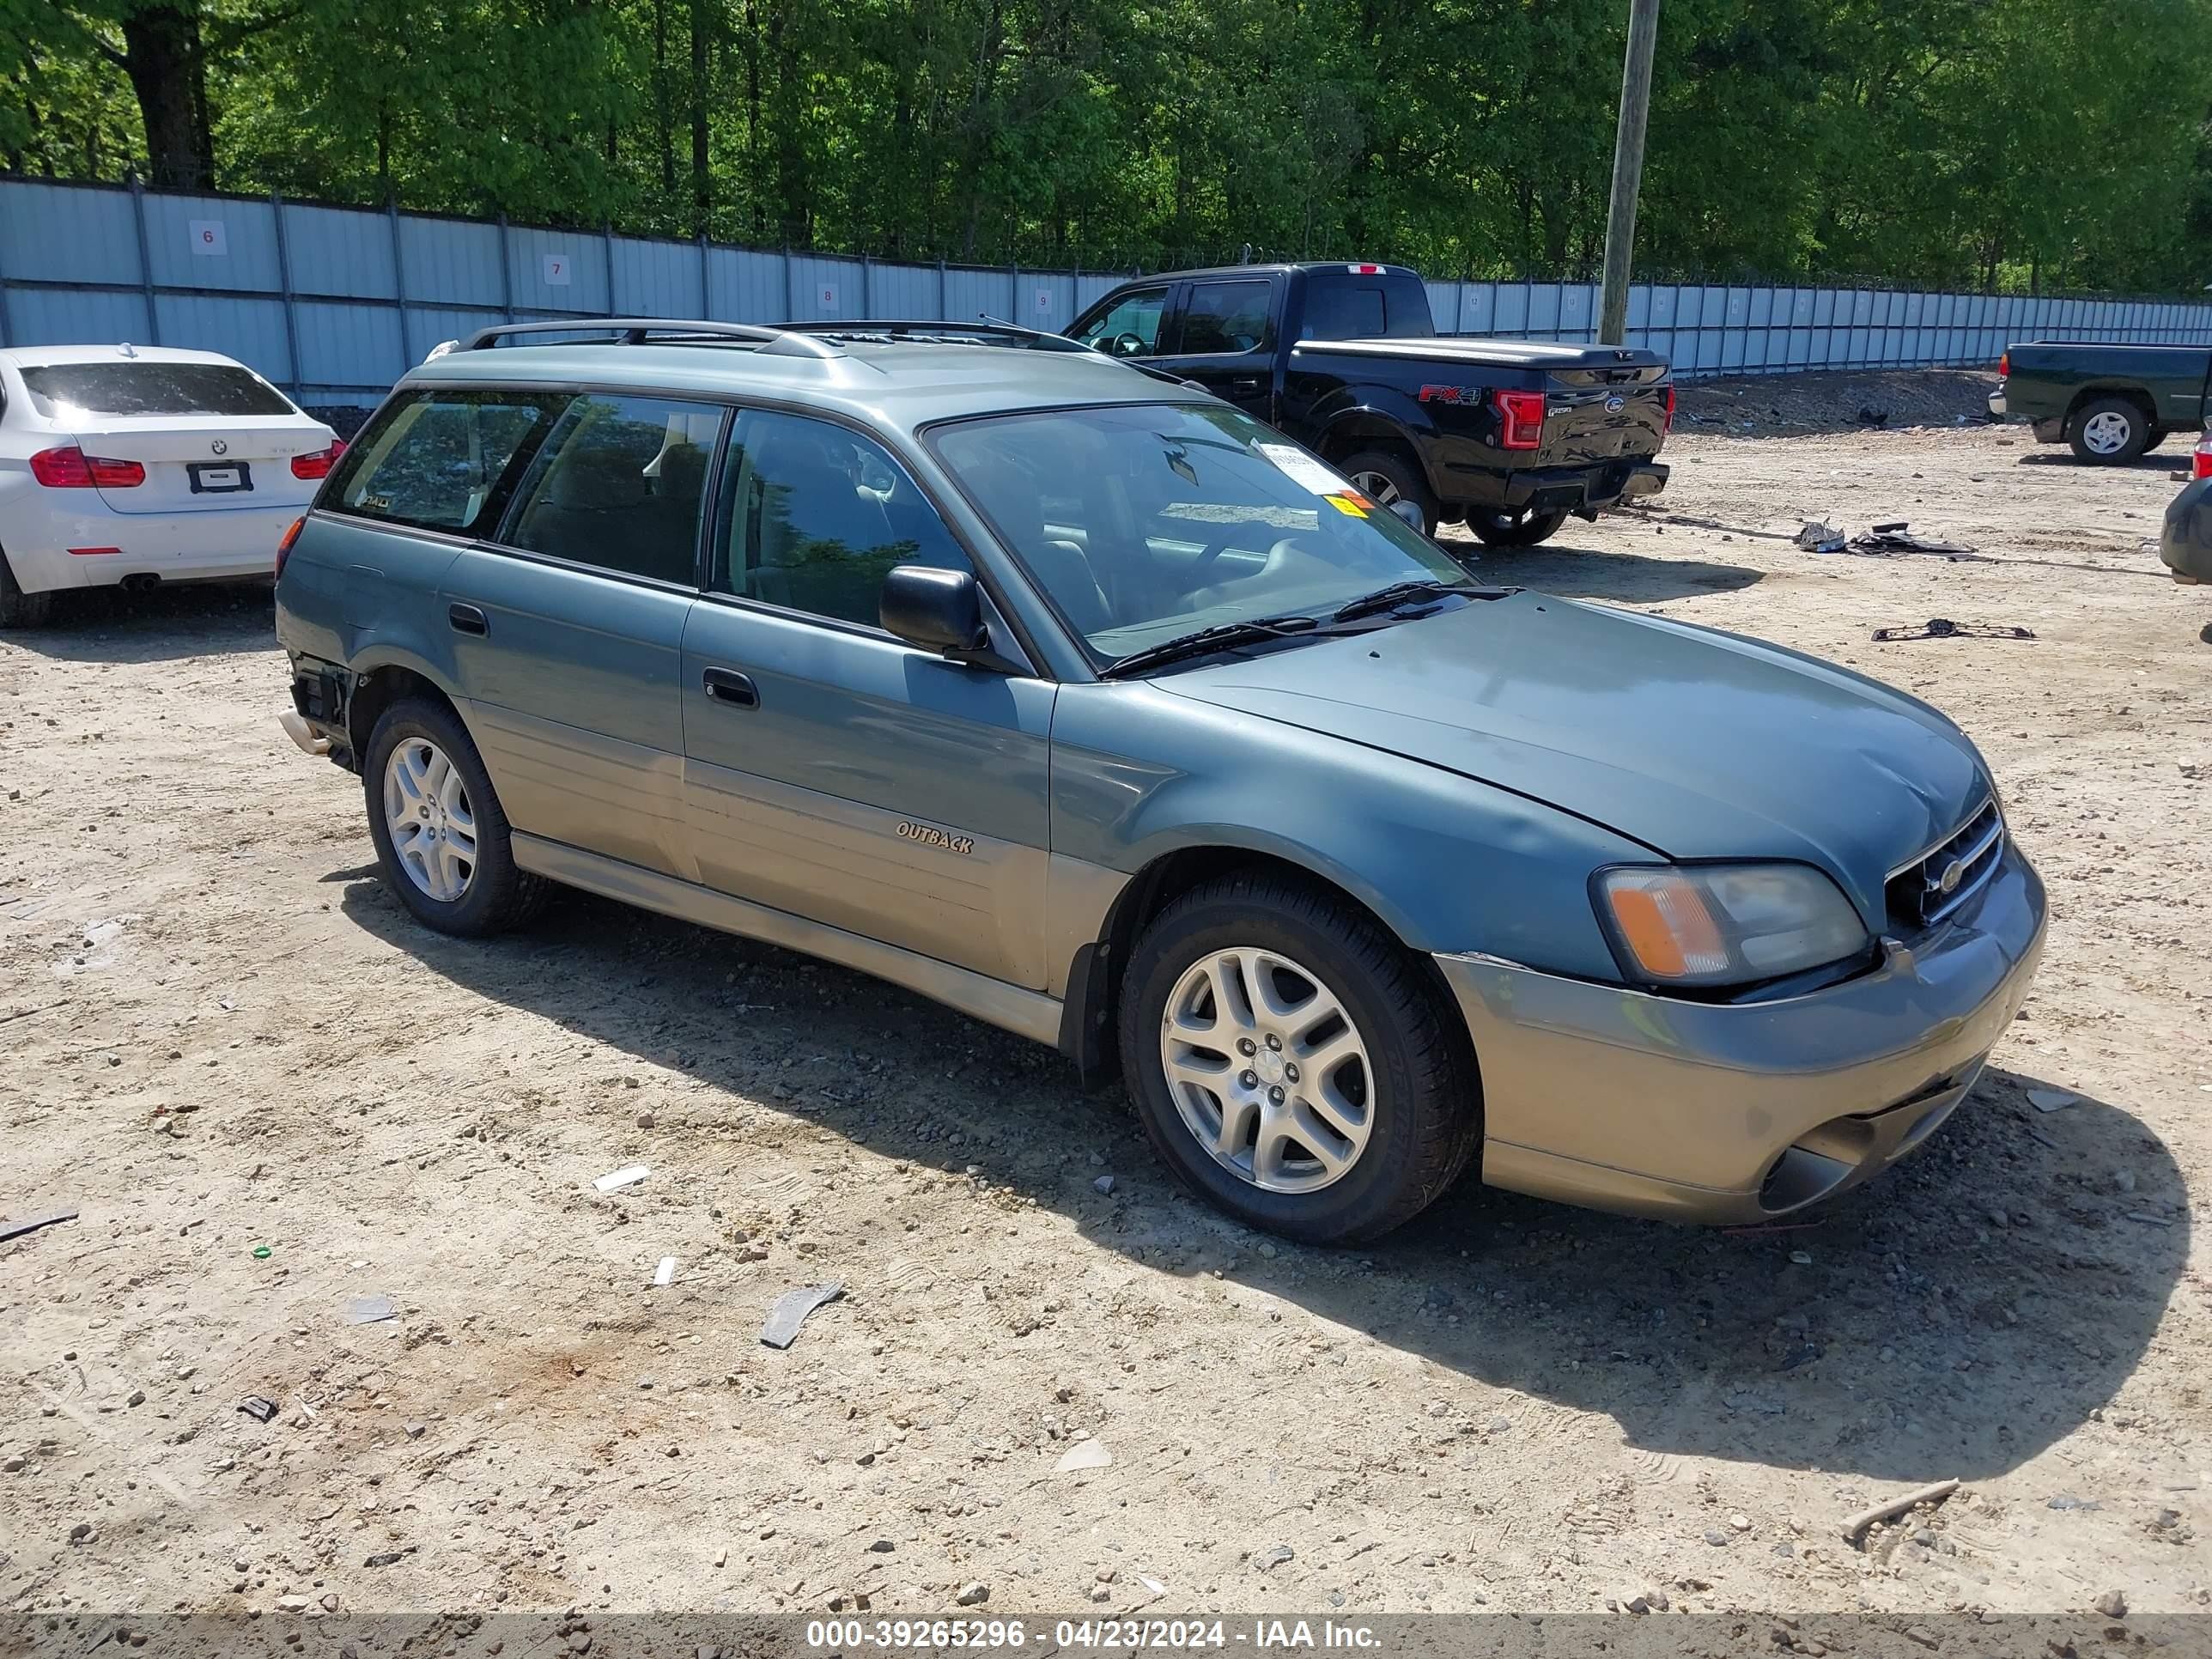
(1205, 640)
(1391, 598)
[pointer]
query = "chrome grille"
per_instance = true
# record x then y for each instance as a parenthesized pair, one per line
(1922, 893)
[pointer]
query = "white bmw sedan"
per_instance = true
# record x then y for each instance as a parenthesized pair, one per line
(133, 464)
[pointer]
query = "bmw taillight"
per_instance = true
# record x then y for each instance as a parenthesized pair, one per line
(284, 547)
(69, 468)
(1520, 419)
(2199, 463)
(318, 464)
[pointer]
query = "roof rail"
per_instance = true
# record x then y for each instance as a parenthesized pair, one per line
(988, 331)
(643, 331)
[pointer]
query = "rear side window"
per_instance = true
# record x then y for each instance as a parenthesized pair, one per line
(1390, 308)
(618, 484)
(1225, 317)
(60, 391)
(439, 461)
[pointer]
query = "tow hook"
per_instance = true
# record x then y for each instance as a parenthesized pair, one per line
(297, 729)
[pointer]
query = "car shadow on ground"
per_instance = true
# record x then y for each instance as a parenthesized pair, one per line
(190, 619)
(1956, 1317)
(2157, 460)
(1589, 573)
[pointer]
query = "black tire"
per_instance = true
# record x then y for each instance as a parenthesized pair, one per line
(1423, 1098)
(1404, 480)
(2158, 436)
(1497, 527)
(2104, 410)
(499, 894)
(18, 609)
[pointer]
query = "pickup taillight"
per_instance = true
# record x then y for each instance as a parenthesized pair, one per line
(1667, 424)
(1520, 419)
(2004, 364)
(2199, 463)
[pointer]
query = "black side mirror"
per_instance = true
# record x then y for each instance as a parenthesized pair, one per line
(1410, 513)
(935, 610)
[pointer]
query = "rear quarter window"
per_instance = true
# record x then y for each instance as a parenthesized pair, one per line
(442, 460)
(58, 390)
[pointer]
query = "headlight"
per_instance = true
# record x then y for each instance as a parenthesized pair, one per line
(1725, 924)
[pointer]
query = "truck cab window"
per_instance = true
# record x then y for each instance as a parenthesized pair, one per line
(1130, 327)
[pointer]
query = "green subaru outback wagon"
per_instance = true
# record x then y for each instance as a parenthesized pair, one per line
(1083, 702)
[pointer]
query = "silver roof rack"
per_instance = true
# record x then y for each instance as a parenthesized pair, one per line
(646, 330)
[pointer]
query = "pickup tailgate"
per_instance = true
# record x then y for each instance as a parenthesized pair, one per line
(1601, 403)
(1603, 412)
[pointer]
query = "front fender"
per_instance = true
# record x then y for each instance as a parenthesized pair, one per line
(1448, 863)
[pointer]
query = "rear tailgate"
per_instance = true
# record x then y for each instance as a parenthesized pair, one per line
(1604, 410)
(210, 462)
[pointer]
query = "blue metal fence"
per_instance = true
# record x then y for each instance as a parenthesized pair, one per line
(336, 303)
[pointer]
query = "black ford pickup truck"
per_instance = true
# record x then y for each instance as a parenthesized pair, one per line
(1510, 436)
(2110, 403)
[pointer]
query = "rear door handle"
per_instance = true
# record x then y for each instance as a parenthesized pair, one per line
(467, 619)
(727, 685)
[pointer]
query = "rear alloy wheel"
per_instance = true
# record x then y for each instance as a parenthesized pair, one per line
(1291, 1061)
(1497, 527)
(1386, 479)
(18, 609)
(2108, 432)
(440, 833)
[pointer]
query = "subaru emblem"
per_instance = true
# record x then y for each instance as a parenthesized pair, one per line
(1614, 404)
(220, 447)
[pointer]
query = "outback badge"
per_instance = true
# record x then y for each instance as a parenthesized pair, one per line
(930, 835)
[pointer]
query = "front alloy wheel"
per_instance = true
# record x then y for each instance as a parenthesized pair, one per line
(1292, 1062)
(1267, 1070)
(427, 812)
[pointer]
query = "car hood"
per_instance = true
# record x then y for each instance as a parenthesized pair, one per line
(1700, 744)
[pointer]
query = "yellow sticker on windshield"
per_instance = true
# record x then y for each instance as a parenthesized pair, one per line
(1357, 505)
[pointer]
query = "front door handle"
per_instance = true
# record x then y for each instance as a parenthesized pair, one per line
(727, 685)
(467, 619)
(1246, 383)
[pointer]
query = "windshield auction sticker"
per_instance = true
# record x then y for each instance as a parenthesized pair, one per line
(1303, 470)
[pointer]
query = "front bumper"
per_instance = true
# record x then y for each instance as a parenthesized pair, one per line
(1621, 1100)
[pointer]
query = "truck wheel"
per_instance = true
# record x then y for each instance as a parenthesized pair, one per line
(2108, 432)
(1293, 1063)
(1383, 478)
(1522, 529)
(440, 833)
(18, 609)
(2158, 436)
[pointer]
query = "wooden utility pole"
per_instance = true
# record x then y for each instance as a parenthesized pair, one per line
(1627, 170)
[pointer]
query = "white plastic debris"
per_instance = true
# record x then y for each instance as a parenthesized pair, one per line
(2050, 1100)
(666, 1273)
(1083, 1455)
(627, 1177)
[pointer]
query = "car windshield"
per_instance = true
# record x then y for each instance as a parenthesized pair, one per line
(63, 391)
(1144, 523)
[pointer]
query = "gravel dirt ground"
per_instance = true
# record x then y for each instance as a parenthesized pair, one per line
(269, 1094)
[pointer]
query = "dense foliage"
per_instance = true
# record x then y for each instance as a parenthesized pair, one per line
(2059, 143)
